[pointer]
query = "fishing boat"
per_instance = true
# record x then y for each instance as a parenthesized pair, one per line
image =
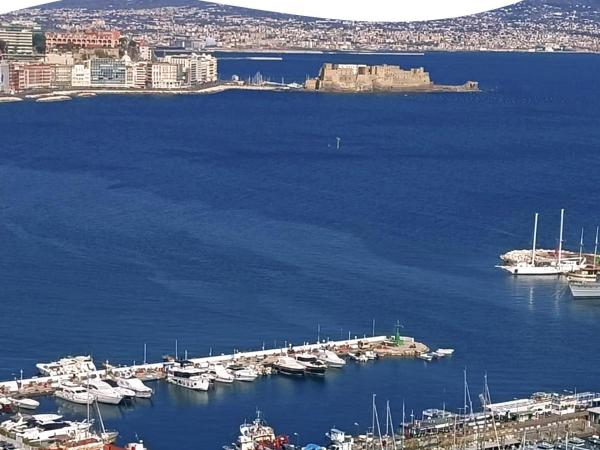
(331, 359)
(257, 435)
(74, 393)
(312, 365)
(288, 366)
(188, 376)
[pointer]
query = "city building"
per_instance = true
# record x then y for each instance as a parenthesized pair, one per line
(18, 39)
(62, 76)
(4, 77)
(81, 75)
(146, 52)
(194, 69)
(82, 39)
(165, 75)
(108, 72)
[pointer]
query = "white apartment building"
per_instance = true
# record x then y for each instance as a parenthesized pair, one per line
(194, 69)
(165, 76)
(81, 75)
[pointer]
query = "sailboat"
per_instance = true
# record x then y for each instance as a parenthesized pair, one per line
(559, 266)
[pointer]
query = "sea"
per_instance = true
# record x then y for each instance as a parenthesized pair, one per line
(232, 221)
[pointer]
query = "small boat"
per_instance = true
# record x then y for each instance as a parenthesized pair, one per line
(288, 366)
(242, 373)
(586, 290)
(188, 376)
(331, 359)
(358, 356)
(74, 393)
(312, 365)
(370, 354)
(444, 351)
(428, 356)
(24, 403)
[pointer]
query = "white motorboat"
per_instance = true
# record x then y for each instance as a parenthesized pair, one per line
(74, 393)
(444, 351)
(76, 365)
(189, 377)
(357, 356)
(312, 365)
(242, 373)
(24, 403)
(125, 392)
(136, 385)
(221, 374)
(288, 366)
(331, 359)
(426, 356)
(370, 354)
(104, 392)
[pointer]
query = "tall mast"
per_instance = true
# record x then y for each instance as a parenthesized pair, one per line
(581, 244)
(535, 223)
(595, 247)
(560, 237)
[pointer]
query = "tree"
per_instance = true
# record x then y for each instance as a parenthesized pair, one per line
(3, 47)
(39, 42)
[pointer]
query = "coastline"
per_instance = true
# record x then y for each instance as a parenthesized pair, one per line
(68, 94)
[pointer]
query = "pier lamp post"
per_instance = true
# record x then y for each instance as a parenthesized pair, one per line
(297, 436)
(357, 425)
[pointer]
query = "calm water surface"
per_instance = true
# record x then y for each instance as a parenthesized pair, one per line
(230, 220)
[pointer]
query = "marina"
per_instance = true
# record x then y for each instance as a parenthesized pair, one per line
(544, 421)
(77, 379)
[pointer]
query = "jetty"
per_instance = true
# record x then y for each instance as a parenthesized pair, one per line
(382, 346)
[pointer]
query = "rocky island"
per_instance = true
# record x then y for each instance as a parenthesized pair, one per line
(380, 78)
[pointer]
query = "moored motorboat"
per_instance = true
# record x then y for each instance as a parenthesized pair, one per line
(74, 393)
(312, 365)
(358, 356)
(288, 366)
(136, 385)
(71, 365)
(104, 392)
(444, 352)
(221, 374)
(127, 393)
(188, 376)
(242, 373)
(331, 359)
(24, 403)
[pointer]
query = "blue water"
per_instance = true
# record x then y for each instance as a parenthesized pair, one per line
(231, 220)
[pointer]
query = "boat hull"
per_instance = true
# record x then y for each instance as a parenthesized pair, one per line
(585, 291)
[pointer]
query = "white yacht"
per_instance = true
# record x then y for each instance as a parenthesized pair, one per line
(74, 393)
(43, 429)
(358, 356)
(136, 385)
(312, 365)
(103, 392)
(24, 403)
(331, 359)
(127, 393)
(67, 366)
(221, 374)
(288, 366)
(189, 377)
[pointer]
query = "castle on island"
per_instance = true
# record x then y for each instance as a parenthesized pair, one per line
(364, 78)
